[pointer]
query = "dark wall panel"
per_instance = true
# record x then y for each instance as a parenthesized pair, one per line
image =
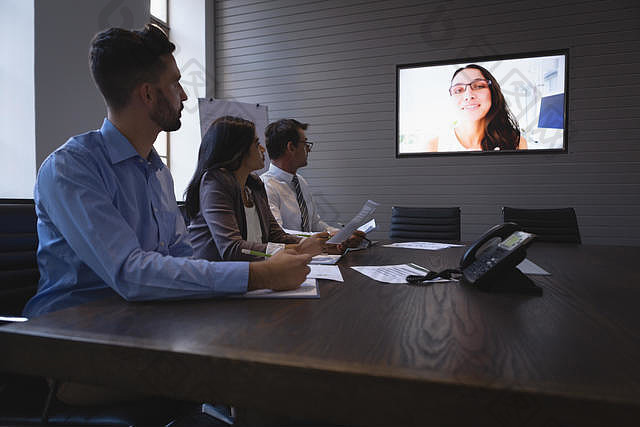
(332, 63)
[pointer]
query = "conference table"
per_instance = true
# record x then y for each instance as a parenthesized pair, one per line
(368, 353)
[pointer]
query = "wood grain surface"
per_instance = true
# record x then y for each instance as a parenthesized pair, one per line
(371, 353)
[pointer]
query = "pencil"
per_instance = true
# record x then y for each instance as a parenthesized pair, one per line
(254, 253)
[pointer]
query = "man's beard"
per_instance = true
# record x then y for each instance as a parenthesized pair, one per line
(164, 115)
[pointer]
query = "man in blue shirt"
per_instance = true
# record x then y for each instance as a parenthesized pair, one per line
(108, 222)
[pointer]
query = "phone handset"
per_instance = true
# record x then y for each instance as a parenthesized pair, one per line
(491, 262)
(487, 240)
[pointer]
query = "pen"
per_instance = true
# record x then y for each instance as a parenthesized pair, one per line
(254, 253)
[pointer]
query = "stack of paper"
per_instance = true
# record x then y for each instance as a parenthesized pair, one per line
(325, 259)
(328, 272)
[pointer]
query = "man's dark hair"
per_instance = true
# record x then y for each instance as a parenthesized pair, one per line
(121, 59)
(279, 133)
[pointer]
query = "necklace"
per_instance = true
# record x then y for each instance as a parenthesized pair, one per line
(247, 197)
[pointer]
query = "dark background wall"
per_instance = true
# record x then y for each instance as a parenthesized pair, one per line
(67, 101)
(332, 63)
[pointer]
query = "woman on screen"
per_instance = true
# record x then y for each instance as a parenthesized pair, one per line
(227, 204)
(484, 120)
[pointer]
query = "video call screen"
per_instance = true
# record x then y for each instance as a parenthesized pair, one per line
(510, 104)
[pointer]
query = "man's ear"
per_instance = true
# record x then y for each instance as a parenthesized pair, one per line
(291, 147)
(145, 93)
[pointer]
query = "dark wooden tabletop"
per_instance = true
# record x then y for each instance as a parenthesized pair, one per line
(372, 353)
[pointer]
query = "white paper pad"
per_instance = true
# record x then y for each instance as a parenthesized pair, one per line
(329, 272)
(13, 319)
(432, 246)
(298, 232)
(364, 216)
(394, 273)
(528, 267)
(325, 259)
(308, 289)
(368, 227)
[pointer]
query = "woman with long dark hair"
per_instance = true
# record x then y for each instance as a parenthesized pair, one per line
(227, 205)
(484, 120)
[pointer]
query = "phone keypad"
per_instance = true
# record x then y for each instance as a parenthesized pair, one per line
(481, 266)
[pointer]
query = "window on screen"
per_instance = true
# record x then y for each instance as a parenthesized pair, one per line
(506, 104)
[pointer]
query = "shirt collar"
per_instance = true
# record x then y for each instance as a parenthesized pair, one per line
(119, 148)
(280, 174)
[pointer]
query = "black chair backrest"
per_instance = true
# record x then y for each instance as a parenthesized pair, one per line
(409, 223)
(550, 225)
(18, 244)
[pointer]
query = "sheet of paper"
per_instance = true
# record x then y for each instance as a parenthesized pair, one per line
(298, 232)
(528, 267)
(432, 246)
(368, 227)
(394, 273)
(365, 215)
(325, 259)
(329, 272)
(308, 289)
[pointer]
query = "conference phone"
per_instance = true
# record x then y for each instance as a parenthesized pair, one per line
(490, 263)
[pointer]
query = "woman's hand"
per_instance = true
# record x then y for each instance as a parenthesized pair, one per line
(313, 245)
(323, 235)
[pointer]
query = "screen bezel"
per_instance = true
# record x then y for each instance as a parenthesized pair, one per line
(565, 142)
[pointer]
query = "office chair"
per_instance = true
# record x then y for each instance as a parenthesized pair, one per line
(549, 225)
(412, 223)
(18, 243)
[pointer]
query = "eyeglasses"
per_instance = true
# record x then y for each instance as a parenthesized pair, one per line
(309, 145)
(477, 84)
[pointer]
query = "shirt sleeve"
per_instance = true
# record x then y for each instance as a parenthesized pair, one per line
(180, 246)
(80, 205)
(274, 248)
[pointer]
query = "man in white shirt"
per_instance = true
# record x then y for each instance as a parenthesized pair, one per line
(290, 198)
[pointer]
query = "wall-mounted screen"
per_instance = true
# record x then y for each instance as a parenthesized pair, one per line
(511, 104)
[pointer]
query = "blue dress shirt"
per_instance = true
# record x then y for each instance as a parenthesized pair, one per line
(108, 223)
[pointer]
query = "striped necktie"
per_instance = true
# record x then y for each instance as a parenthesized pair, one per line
(304, 213)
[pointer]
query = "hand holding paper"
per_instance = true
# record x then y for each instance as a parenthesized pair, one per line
(364, 216)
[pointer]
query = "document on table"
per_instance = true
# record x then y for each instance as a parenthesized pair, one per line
(329, 272)
(308, 289)
(394, 273)
(432, 246)
(365, 215)
(528, 267)
(326, 259)
(298, 232)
